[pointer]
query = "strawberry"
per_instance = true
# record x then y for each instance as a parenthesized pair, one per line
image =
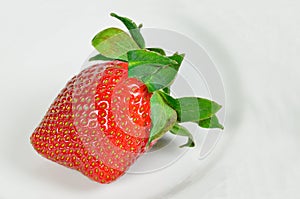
(90, 126)
(111, 113)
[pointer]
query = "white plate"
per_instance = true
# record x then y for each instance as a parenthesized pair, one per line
(161, 172)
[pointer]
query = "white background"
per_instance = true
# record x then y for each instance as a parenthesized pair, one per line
(255, 45)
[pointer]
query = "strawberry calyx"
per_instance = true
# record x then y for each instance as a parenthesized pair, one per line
(163, 117)
(134, 30)
(157, 71)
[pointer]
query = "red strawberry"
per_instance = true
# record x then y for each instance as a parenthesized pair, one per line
(99, 124)
(111, 113)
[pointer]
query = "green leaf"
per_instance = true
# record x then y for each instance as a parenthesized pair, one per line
(191, 109)
(146, 57)
(166, 90)
(178, 58)
(158, 50)
(180, 130)
(211, 122)
(114, 43)
(155, 70)
(100, 57)
(133, 29)
(163, 117)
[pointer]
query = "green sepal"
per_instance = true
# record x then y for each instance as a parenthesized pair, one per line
(100, 57)
(158, 50)
(182, 131)
(178, 58)
(163, 117)
(134, 30)
(146, 57)
(114, 43)
(167, 90)
(191, 109)
(211, 122)
(153, 69)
